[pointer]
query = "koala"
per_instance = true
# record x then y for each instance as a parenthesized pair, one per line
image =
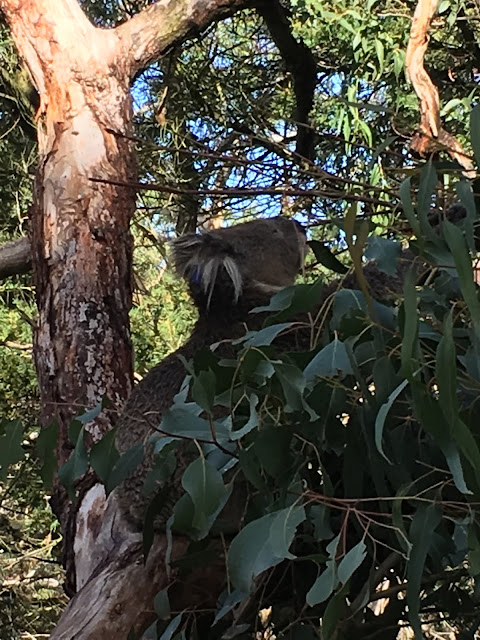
(229, 271)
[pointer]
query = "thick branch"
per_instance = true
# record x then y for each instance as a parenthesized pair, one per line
(66, 28)
(431, 136)
(119, 596)
(15, 258)
(300, 63)
(147, 35)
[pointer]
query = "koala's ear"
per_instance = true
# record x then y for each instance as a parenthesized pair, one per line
(200, 257)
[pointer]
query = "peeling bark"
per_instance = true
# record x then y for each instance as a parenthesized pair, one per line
(119, 597)
(431, 136)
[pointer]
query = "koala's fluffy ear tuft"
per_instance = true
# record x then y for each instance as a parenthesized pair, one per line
(240, 263)
(199, 258)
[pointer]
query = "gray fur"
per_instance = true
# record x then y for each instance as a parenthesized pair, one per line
(229, 272)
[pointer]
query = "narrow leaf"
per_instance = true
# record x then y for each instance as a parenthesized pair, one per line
(382, 414)
(351, 561)
(446, 373)
(104, 455)
(406, 198)
(463, 265)
(11, 450)
(475, 132)
(424, 523)
(124, 466)
(204, 485)
(326, 257)
(410, 327)
(75, 466)
(324, 585)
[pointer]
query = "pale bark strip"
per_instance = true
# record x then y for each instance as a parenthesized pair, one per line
(119, 596)
(431, 136)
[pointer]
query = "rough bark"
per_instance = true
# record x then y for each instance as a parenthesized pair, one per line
(431, 136)
(82, 249)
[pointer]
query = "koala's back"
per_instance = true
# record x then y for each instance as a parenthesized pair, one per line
(229, 271)
(142, 415)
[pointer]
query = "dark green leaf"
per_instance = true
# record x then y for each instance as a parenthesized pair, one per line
(422, 529)
(264, 336)
(465, 193)
(75, 466)
(331, 361)
(283, 529)
(326, 257)
(172, 627)
(104, 455)
(334, 615)
(46, 446)
(428, 182)
(351, 561)
(272, 447)
(162, 469)
(385, 253)
(446, 373)
(11, 450)
(229, 603)
(319, 514)
(293, 383)
(183, 421)
(475, 132)
(463, 264)
(203, 389)
(324, 585)
(254, 549)
(410, 327)
(124, 466)
(406, 198)
(204, 485)
(291, 300)
(90, 415)
(161, 605)
(252, 421)
(382, 414)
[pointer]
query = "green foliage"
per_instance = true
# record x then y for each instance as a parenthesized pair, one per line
(361, 451)
(360, 454)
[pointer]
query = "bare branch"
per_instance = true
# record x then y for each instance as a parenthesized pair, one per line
(245, 192)
(150, 33)
(300, 63)
(431, 136)
(15, 258)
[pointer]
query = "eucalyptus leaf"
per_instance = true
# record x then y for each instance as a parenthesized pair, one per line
(257, 547)
(331, 361)
(385, 253)
(424, 523)
(11, 450)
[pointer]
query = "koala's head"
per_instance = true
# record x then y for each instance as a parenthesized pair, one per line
(248, 261)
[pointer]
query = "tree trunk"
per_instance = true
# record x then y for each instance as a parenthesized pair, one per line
(82, 253)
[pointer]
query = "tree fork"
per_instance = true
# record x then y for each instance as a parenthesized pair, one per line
(80, 241)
